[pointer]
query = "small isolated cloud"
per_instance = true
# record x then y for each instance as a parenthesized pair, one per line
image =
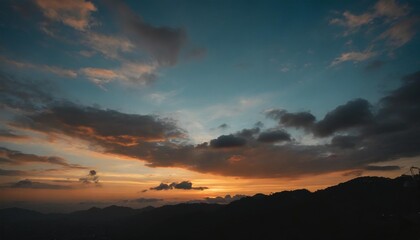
(75, 13)
(354, 57)
(36, 185)
(92, 177)
(184, 185)
(223, 126)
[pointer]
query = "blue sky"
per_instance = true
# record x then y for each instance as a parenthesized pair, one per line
(210, 68)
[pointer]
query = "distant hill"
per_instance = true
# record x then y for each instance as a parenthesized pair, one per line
(362, 208)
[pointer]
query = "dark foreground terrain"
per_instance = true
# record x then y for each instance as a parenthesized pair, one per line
(363, 208)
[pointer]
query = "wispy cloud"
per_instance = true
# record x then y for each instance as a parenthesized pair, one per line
(353, 57)
(75, 13)
(40, 67)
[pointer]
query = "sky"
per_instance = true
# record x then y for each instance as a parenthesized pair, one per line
(139, 103)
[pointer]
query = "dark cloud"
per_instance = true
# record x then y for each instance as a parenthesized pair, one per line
(12, 157)
(274, 114)
(274, 136)
(382, 168)
(223, 126)
(374, 65)
(248, 132)
(363, 134)
(163, 43)
(227, 141)
(4, 133)
(345, 141)
(25, 95)
(5, 172)
(184, 185)
(162, 186)
(355, 113)
(36, 185)
(297, 120)
(92, 177)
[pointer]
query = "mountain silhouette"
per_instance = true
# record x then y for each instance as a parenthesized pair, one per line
(362, 208)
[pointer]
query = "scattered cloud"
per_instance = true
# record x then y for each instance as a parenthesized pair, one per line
(39, 67)
(401, 32)
(12, 157)
(390, 9)
(352, 22)
(163, 43)
(354, 57)
(76, 13)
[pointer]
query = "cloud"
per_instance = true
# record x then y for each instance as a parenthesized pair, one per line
(353, 114)
(106, 127)
(374, 65)
(352, 22)
(138, 73)
(92, 177)
(5, 172)
(382, 168)
(353, 57)
(401, 32)
(297, 120)
(36, 185)
(7, 134)
(108, 45)
(390, 9)
(163, 43)
(375, 133)
(223, 126)
(274, 136)
(184, 185)
(345, 141)
(75, 13)
(12, 157)
(227, 141)
(39, 67)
